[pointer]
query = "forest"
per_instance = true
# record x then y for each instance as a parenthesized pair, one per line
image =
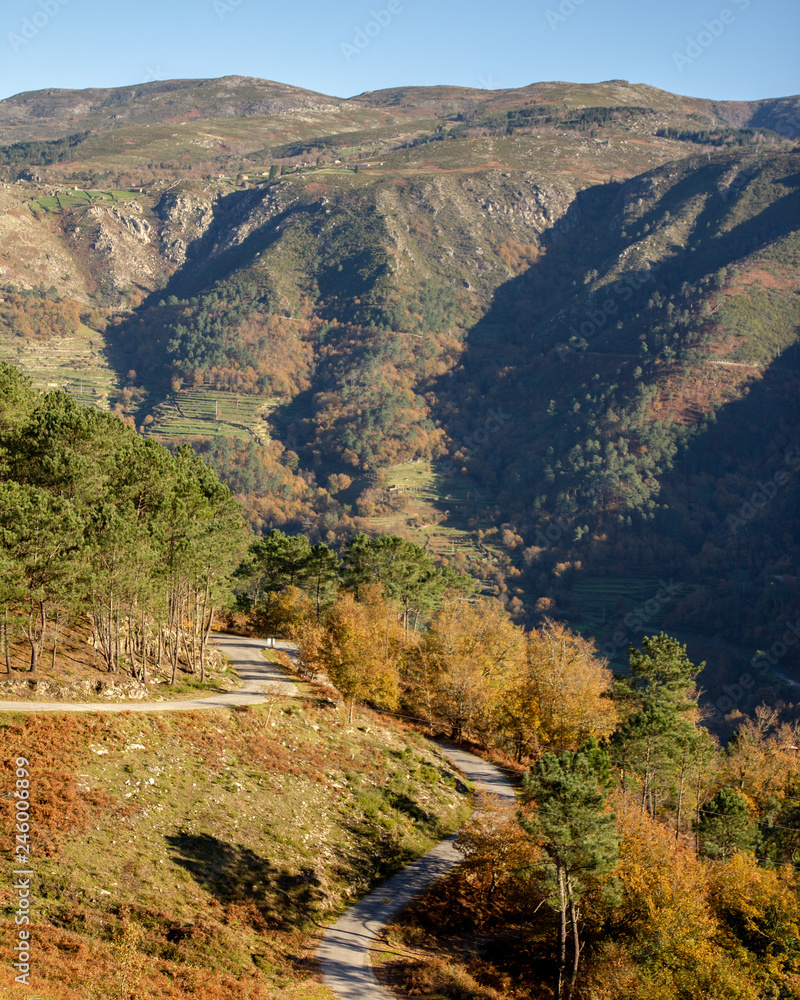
(621, 777)
(645, 858)
(97, 523)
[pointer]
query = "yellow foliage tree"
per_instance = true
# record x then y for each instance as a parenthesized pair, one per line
(664, 928)
(361, 648)
(566, 688)
(759, 910)
(471, 650)
(762, 759)
(498, 857)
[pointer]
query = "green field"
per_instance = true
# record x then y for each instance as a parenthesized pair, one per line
(207, 412)
(75, 198)
(442, 512)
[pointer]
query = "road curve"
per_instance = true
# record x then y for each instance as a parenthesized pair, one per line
(345, 949)
(244, 654)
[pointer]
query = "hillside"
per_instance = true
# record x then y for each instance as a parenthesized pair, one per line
(54, 113)
(200, 853)
(48, 113)
(543, 332)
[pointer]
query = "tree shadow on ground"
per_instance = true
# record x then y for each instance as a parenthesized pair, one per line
(235, 875)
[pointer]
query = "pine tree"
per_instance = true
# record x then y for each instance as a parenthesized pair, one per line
(724, 826)
(576, 835)
(657, 701)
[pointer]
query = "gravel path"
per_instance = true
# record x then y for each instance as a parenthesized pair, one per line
(345, 949)
(244, 654)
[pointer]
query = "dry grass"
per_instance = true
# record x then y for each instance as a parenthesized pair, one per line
(201, 854)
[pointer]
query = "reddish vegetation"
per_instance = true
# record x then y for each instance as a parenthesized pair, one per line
(61, 805)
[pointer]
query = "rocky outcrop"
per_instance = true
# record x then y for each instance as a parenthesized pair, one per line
(111, 689)
(185, 218)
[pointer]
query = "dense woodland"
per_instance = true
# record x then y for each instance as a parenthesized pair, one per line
(97, 523)
(646, 861)
(639, 450)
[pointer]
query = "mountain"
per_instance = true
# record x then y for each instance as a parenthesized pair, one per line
(53, 113)
(551, 333)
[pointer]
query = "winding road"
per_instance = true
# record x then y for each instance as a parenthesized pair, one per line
(344, 953)
(258, 674)
(345, 950)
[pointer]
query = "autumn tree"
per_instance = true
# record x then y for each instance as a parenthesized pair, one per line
(563, 696)
(467, 654)
(361, 649)
(499, 859)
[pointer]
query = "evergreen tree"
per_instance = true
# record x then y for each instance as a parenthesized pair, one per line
(321, 575)
(656, 700)
(577, 837)
(725, 826)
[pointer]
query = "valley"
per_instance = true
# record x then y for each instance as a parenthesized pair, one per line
(487, 402)
(330, 286)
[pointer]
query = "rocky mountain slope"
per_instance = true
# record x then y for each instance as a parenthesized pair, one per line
(565, 304)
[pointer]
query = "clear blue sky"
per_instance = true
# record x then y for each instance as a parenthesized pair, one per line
(337, 46)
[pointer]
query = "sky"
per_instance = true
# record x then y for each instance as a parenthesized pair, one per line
(719, 49)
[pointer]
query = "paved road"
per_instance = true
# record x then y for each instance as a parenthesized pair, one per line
(245, 656)
(345, 949)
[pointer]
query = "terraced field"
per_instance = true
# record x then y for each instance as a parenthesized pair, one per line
(207, 412)
(438, 510)
(606, 608)
(79, 365)
(54, 204)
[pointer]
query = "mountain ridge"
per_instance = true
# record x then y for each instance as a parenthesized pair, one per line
(239, 96)
(332, 302)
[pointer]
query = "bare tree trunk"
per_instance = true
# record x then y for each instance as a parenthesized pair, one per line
(204, 643)
(173, 630)
(562, 929)
(189, 652)
(36, 635)
(697, 820)
(576, 940)
(680, 807)
(144, 648)
(5, 639)
(55, 643)
(117, 641)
